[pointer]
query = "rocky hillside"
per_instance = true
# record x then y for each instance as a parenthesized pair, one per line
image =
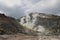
(9, 25)
(41, 24)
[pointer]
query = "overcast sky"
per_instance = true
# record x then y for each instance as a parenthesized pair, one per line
(18, 8)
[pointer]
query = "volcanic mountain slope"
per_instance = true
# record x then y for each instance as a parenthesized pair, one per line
(9, 25)
(41, 24)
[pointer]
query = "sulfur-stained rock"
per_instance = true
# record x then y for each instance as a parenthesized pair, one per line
(41, 24)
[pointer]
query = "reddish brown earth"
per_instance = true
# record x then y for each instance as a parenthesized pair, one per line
(25, 37)
(9, 25)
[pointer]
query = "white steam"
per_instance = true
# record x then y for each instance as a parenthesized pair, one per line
(30, 23)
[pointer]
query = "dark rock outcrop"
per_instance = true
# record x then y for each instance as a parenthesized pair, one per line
(9, 25)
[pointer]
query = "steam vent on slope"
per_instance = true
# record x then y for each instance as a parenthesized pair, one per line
(9, 25)
(40, 24)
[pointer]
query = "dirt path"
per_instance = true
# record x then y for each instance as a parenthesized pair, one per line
(24, 37)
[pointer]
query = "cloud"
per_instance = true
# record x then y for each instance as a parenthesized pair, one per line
(46, 6)
(16, 11)
(18, 8)
(11, 8)
(11, 3)
(26, 4)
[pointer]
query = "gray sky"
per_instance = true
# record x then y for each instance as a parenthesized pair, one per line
(18, 8)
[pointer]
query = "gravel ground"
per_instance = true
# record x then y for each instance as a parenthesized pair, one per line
(24, 37)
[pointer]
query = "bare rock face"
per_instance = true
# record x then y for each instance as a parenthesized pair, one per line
(41, 24)
(9, 25)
